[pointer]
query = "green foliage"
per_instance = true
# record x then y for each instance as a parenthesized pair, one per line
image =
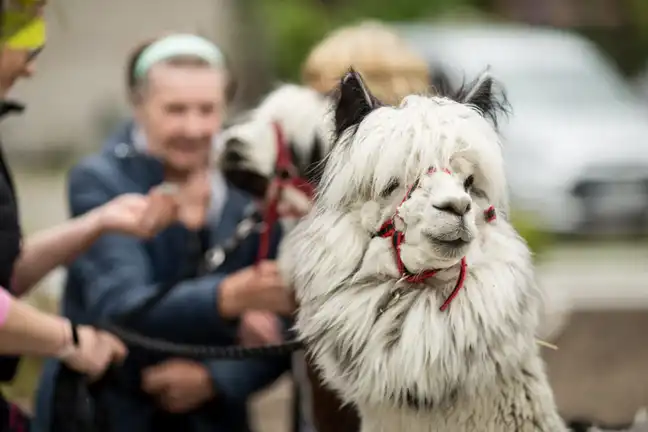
(295, 26)
(538, 241)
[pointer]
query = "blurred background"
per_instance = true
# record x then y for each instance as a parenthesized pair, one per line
(576, 144)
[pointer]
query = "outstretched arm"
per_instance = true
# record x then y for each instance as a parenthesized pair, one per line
(46, 250)
(26, 330)
(134, 214)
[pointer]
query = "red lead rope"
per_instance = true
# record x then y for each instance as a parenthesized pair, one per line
(388, 230)
(286, 175)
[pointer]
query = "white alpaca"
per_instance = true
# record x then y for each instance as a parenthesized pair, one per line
(250, 148)
(432, 167)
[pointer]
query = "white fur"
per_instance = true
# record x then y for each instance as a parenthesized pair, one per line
(477, 364)
(299, 110)
(303, 115)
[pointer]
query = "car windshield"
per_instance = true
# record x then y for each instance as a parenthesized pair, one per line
(536, 71)
(569, 87)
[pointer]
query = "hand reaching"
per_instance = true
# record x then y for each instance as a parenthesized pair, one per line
(255, 288)
(139, 215)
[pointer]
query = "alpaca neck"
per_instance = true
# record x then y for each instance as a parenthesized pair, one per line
(523, 400)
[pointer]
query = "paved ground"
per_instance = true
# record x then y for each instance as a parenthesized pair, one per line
(601, 367)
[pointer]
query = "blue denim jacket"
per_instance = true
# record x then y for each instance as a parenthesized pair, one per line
(119, 272)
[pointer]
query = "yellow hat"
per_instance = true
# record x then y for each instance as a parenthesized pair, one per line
(391, 69)
(22, 26)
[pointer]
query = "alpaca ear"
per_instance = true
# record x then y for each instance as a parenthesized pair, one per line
(354, 102)
(484, 95)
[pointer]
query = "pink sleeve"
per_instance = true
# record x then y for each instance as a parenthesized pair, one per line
(5, 304)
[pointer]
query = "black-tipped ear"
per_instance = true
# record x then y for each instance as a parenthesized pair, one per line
(484, 94)
(354, 102)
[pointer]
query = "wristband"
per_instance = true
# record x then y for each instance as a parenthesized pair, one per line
(71, 341)
(75, 334)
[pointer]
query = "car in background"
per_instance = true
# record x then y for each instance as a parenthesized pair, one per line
(576, 143)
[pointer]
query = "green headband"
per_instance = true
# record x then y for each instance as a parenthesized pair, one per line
(175, 46)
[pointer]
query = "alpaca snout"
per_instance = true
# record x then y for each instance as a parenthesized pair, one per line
(455, 205)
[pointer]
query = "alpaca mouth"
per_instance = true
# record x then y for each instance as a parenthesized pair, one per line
(456, 243)
(452, 241)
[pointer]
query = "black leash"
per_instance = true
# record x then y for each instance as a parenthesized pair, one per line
(77, 405)
(200, 352)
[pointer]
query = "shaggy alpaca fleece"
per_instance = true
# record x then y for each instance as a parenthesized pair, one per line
(382, 342)
(301, 112)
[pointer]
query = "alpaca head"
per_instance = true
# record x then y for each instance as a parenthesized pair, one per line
(432, 165)
(425, 174)
(289, 119)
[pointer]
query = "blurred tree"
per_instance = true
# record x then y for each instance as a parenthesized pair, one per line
(251, 57)
(295, 26)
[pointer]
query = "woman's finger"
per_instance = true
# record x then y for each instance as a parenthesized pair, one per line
(117, 350)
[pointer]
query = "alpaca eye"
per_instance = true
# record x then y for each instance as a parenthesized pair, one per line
(468, 183)
(478, 193)
(393, 185)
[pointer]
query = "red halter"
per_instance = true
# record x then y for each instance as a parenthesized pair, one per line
(285, 175)
(388, 229)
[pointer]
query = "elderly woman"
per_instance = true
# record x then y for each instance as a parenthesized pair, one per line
(179, 87)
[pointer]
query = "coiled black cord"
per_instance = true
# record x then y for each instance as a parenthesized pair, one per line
(200, 352)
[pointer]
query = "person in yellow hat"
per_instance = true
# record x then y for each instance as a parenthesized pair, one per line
(23, 329)
(23, 38)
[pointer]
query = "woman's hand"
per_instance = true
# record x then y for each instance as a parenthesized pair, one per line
(96, 351)
(144, 216)
(255, 288)
(139, 215)
(260, 328)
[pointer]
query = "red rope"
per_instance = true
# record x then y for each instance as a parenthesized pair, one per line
(388, 229)
(284, 164)
(458, 286)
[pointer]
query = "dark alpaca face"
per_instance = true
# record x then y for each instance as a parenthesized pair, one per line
(250, 168)
(250, 145)
(239, 171)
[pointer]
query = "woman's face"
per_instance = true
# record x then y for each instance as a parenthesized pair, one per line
(23, 38)
(14, 64)
(181, 110)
